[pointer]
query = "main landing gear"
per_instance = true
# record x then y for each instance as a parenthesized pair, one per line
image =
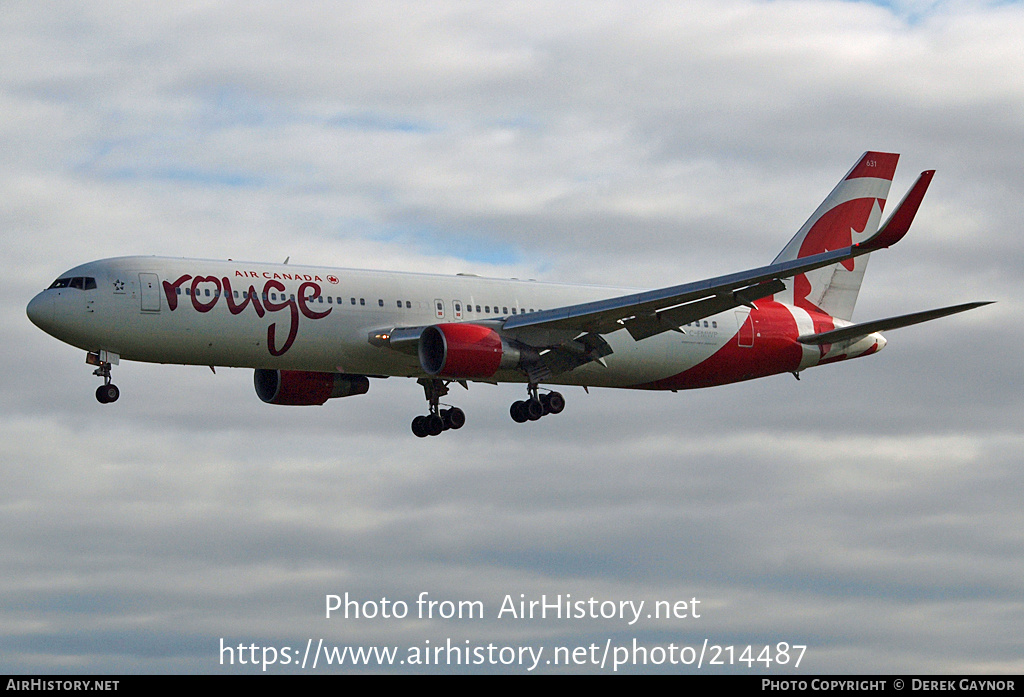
(107, 392)
(536, 406)
(438, 420)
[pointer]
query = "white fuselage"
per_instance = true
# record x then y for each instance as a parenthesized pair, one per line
(243, 314)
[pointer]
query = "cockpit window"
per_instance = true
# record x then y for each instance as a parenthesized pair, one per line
(79, 282)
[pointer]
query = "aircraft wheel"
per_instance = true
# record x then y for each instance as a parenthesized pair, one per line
(555, 402)
(105, 394)
(434, 425)
(534, 409)
(419, 427)
(454, 418)
(518, 412)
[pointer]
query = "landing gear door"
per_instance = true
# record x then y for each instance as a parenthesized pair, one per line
(149, 287)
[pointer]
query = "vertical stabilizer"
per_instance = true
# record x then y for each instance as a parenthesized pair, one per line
(849, 215)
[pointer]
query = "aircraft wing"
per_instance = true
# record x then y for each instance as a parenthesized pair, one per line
(564, 338)
(647, 313)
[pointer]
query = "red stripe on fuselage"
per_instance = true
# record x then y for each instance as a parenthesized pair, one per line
(775, 350)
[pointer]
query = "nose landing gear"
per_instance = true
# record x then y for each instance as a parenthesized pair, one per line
(107, 392)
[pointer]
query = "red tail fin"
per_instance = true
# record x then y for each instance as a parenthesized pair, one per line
(848, 215)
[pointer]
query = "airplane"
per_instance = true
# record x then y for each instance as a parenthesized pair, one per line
(313, 333)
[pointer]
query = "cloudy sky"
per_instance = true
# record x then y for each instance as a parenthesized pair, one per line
(871, 511)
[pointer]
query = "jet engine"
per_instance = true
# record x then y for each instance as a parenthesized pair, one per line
(304, 388)
(463, 350)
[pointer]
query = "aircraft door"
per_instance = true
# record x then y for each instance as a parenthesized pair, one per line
(149, 286)
(745, 338)
(438, 308)
(457, 309)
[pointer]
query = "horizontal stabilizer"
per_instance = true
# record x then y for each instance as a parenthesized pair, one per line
(855, 331)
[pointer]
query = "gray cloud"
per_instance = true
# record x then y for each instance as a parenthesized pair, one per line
(870, 511)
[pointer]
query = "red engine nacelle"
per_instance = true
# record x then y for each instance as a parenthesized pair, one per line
(303, 388)
(461, 350)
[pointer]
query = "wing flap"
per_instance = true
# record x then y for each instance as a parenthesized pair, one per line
(671, 319)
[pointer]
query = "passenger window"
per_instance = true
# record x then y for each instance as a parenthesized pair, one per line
(504, 310)
(380, 302)
(362, 301)
(408, 304)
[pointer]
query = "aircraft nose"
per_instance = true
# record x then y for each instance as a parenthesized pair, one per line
(40, 311)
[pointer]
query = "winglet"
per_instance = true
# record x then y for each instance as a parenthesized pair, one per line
(899, 222)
